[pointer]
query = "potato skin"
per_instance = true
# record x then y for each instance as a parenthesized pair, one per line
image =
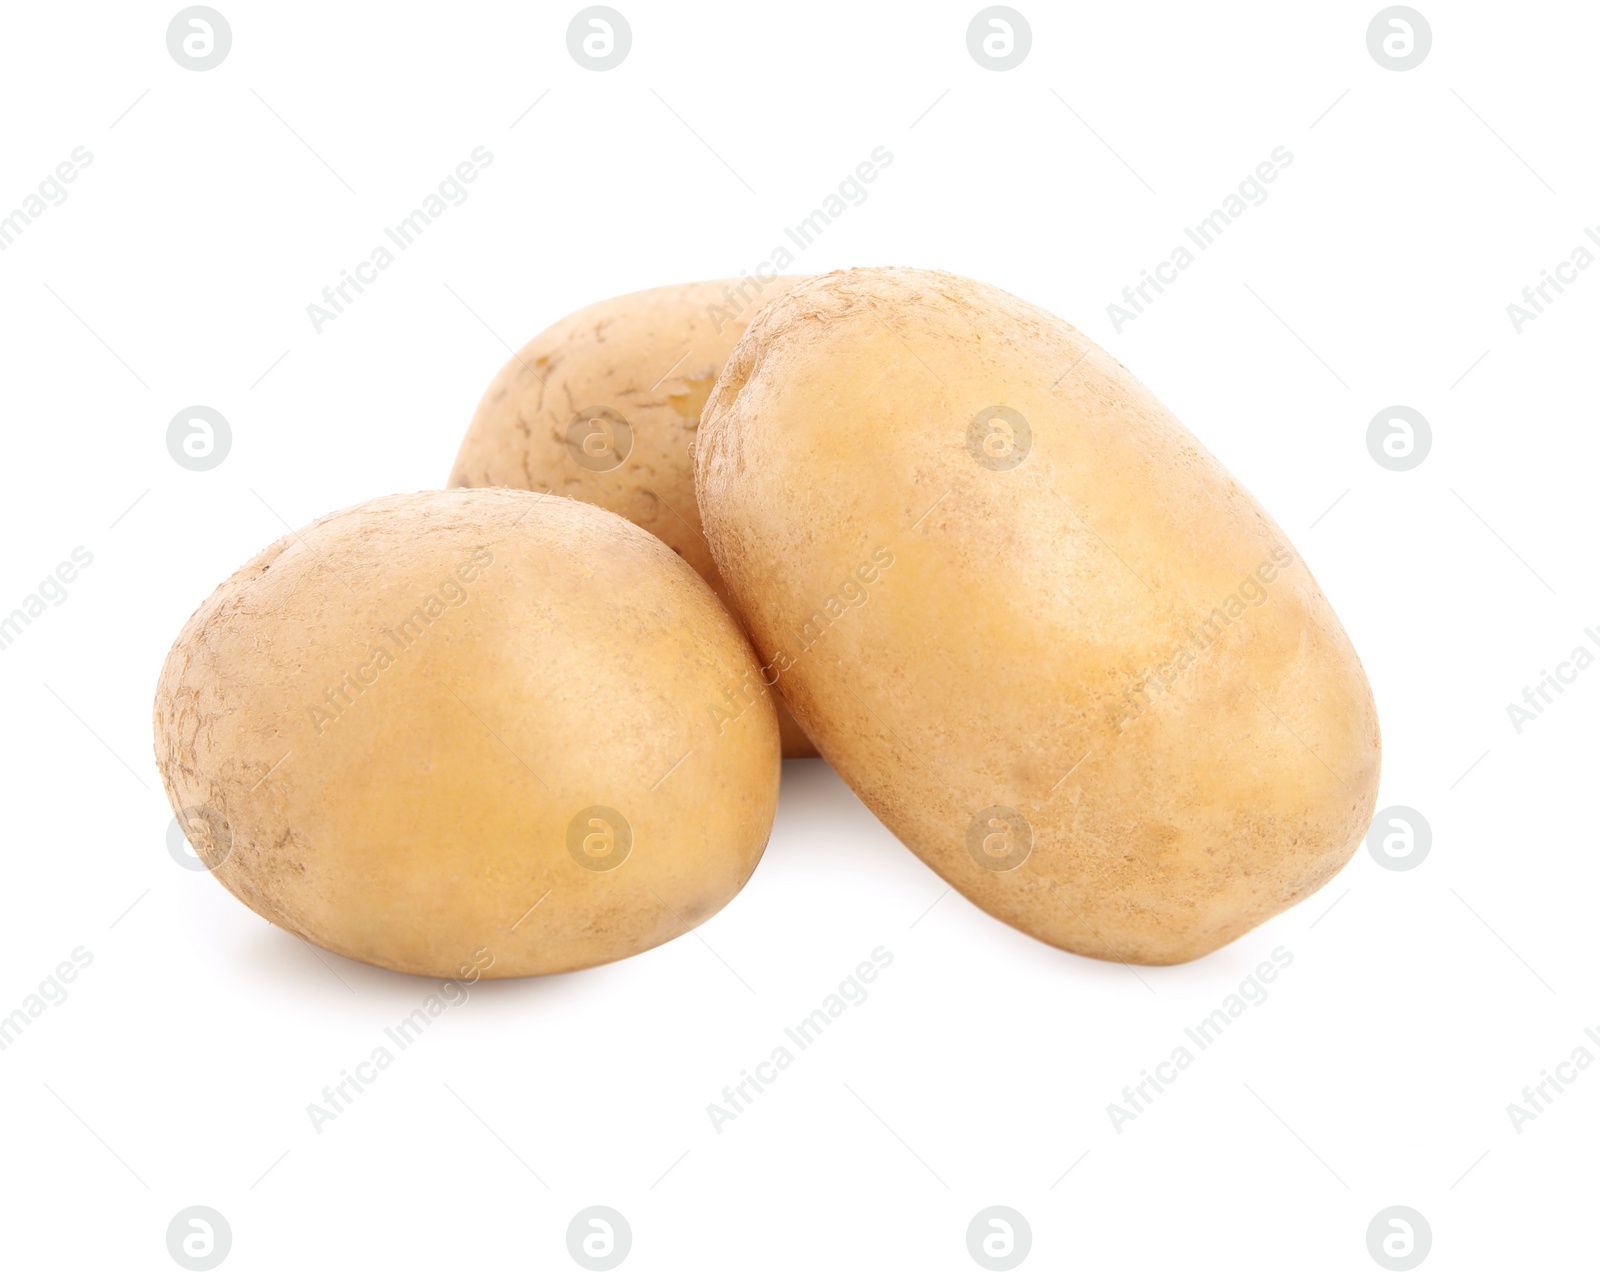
(651, 357)
(1108, 639)
(390, 721)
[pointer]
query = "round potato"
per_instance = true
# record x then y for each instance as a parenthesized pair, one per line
(477, 729)
(1042, 633)
(604, 405)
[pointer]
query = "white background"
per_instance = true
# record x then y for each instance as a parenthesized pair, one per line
(1418, 1004)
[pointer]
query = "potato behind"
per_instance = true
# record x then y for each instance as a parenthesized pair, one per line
(446, 725)
(604, 405)
(1042, 632)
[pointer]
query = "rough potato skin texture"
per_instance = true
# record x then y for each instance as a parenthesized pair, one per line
(653, 357)
(413, 819)
(1026, 647)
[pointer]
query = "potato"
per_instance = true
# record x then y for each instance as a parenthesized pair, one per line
(470, 730)
(1041, 632)
(604, 405)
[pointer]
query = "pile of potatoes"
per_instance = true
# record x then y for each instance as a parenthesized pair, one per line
(894, 516)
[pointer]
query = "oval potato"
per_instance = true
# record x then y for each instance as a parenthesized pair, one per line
(1042, 632)
(604, 405)
(469, 729)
